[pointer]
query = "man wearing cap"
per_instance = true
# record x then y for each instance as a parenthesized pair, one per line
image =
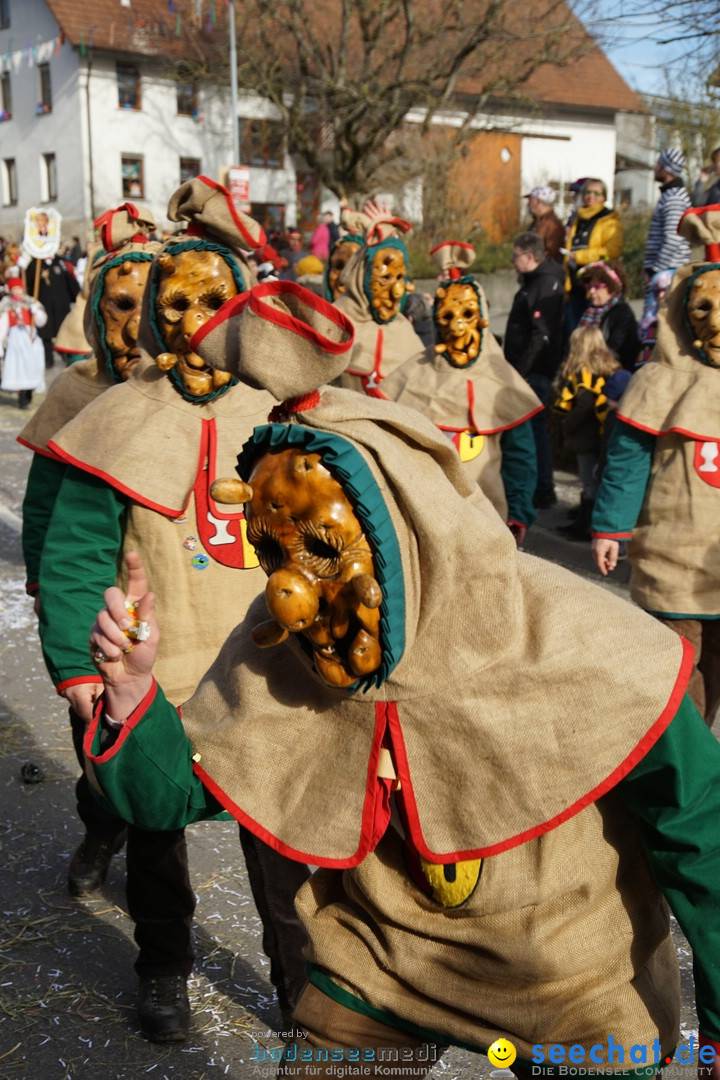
(545, 221)
(664, 249)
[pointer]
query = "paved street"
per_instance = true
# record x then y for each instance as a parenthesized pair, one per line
(67, 986)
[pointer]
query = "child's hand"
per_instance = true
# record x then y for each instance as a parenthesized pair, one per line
(605, 552)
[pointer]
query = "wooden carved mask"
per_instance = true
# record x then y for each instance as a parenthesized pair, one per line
(320, 567)
(387, 283)
(703, 312)
(459, 323)
(120, 304)
(339, 258)
(193, 285)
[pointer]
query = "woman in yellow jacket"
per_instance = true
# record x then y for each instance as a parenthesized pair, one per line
(596, 234)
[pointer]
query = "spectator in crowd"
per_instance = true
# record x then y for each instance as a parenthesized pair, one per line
(545, 221)
(56, 290)
(595, 234)
(707, 189)
(293, 253)
(664, 248)
(319, 243)
(533, 341)
(605, 285)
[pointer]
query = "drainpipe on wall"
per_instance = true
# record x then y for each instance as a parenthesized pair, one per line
(91, 174)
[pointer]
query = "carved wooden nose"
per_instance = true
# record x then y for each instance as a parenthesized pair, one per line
(291, 599)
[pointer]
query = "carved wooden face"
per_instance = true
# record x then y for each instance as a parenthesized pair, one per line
(340, 256)
(387, 282)
(193, 286)
(120, 305)
(320, 566)
(703, 310)
(457, 317)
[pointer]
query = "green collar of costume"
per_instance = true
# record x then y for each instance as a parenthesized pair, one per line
(468, 279)
(175, 249)
(690, 282)
(369, 253)
(98, 289)
(350, 469)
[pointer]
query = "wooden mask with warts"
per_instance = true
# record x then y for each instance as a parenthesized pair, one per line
(703, 313)
(339, 258)
(459, 323)
(119, 308)
(320, 567)
(387, 282)
(192, 286)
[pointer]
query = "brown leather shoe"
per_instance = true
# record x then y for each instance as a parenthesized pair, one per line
(89, 865)
(164, 1008)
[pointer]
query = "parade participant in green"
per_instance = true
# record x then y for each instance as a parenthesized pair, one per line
(660, 485)
(141, 460)
(465, 385)
(492, 798)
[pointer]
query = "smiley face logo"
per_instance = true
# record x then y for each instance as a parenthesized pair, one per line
(502, 1053)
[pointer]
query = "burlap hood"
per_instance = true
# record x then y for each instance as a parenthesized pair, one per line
(506, 709)
(213, 224)
(676, 391)
(71, 391)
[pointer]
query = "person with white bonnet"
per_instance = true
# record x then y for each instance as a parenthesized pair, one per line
(545, 221)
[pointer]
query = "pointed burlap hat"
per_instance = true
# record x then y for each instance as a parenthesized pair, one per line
(212, 223)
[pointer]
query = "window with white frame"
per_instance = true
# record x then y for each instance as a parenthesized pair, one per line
(10, 188)
(133, 183)
(45, 89)
(49, 178)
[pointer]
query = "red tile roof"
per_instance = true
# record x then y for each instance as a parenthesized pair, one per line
(150, 28)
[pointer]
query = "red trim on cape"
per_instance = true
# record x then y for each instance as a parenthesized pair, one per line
(40, 450)
(77, 680)
(375, 376)
(132, 721)
(374, 791)
(167, 511)
(637, 754)
(612, 536)
(667, 431)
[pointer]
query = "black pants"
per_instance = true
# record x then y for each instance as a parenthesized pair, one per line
(161, 901)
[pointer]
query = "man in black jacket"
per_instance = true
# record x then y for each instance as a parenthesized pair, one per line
(533, 340)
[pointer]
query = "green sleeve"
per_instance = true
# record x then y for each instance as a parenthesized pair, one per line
(675, 795)
(519, 472)
(624, 480)
(146, 774)
(43, 484)
(79, 562)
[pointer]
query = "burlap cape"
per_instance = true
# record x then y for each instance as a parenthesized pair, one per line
(71, 391)
(506, 700)
(472, 405)
(122, 436)
(379, 348)
(673, 552)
